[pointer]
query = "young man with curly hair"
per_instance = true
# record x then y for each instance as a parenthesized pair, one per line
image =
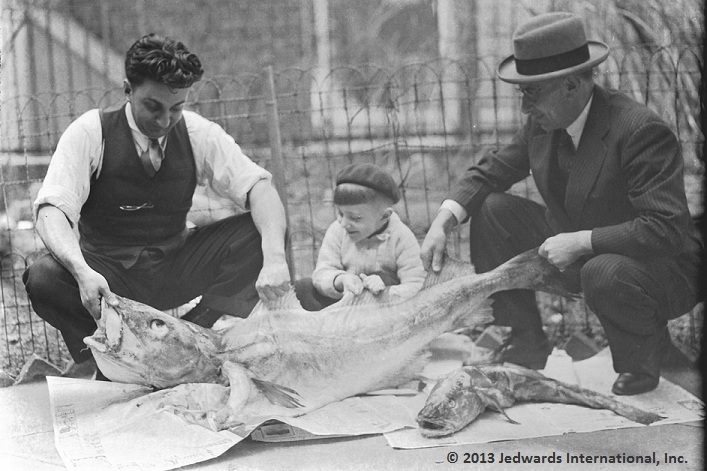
(125, 179)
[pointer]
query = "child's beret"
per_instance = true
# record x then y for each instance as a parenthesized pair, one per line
(371, 176)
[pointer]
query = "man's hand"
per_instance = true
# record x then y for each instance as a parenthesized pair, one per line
(564, 249)
(273, 281)
(372, 283)
(348, 282)
(56, 232)
(92, 287)
(435, 243)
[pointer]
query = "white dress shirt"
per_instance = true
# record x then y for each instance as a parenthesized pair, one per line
(220, 163)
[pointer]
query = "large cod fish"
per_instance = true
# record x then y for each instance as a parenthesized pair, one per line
(283, 360)
(460, 397)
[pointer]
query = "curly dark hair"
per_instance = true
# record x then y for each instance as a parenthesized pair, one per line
(163, 60)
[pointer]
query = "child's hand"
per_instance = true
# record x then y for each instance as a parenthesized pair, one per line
(372, 283)
(349, 282)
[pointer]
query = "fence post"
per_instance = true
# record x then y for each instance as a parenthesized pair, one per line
(278, 164)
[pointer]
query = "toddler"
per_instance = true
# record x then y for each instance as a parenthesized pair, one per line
(368, 246)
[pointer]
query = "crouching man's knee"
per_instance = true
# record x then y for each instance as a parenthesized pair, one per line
(46, 279)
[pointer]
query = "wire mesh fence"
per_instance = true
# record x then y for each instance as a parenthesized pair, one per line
(424, 122)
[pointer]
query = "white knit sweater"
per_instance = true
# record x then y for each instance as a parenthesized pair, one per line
(395, 250)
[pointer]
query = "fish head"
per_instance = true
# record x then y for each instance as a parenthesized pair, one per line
(135, 343)
(452, 404)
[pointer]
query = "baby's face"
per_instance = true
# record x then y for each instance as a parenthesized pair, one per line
(361, 220)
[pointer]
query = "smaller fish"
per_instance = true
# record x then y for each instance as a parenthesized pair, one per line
(460, 397)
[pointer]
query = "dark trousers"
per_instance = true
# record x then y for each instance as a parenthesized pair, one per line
(632, 298)
(220, 262)
(309, 297)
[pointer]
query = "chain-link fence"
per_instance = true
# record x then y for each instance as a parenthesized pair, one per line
(424, 121)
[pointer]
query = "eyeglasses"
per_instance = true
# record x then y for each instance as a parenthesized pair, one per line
(535, 92)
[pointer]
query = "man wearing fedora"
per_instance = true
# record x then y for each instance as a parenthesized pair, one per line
(610, 173)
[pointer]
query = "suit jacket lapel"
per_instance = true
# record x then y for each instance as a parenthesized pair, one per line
(589, 157)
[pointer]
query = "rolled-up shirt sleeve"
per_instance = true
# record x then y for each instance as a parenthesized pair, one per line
(455, 208)
(220, 162)
(77, 156)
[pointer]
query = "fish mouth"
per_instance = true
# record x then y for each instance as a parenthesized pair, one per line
(108, 337)
(96, 343)
(431, 428)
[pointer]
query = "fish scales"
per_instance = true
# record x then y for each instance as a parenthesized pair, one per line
(332, 354)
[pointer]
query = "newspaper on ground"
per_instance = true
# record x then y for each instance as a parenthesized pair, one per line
(103, 425)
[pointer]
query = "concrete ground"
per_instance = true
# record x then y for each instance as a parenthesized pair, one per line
(27, 442)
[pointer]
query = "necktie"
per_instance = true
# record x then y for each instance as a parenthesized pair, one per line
(565, 152)
(152, 157)
(560, 170)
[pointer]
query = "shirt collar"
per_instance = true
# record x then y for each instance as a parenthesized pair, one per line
(380, 233)
(577, 127)
(140, 139)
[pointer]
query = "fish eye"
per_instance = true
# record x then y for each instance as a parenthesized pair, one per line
(157, 324)
(452, 403)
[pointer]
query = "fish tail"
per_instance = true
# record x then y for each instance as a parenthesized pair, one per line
(586, 397)
(529, 270)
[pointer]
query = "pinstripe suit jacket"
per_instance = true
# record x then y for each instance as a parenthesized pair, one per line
(626, 183)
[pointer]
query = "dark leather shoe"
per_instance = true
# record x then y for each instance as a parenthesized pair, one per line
(527, 355)
(629, 384)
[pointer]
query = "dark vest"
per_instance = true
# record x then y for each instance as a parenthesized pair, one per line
(127, 208)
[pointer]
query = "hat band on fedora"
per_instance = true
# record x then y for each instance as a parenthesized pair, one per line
(553, 63)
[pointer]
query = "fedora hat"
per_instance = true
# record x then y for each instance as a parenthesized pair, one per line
(549, 46)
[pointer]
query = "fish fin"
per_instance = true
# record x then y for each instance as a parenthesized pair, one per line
(279, 395)
(239, 384)
(286, 302)
(502, 411)
(414, 368)
(259, 310)
(451, 269)
(350, 299)
(490, 393)
(495, 405)
(240, 380)
(483, 311)
(366, 298)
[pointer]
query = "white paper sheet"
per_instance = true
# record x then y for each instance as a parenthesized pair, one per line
(96, 427)
(102, 425)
